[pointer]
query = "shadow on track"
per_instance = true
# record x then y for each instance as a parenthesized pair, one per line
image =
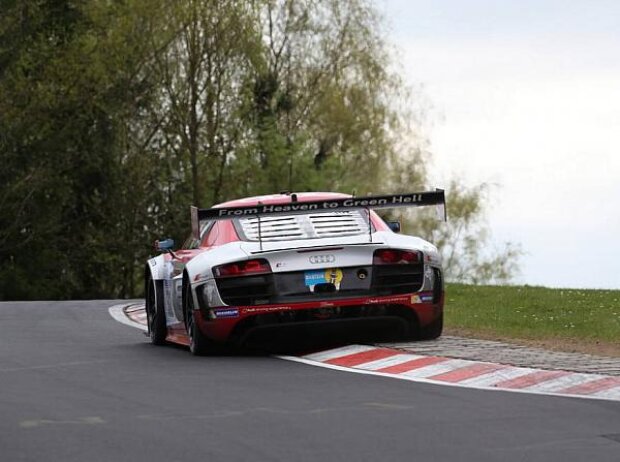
(304, 338)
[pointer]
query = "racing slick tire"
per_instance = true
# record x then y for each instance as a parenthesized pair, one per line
(155, 315)
(433, 330)
(199, 344)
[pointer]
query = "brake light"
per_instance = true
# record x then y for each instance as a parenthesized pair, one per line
(242, 268)
(395, 257)
(387, 256)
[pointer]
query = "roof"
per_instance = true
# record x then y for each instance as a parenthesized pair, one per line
(282, 199)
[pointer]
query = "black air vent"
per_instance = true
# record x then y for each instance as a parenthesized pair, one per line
(397, 279)
(246, 290)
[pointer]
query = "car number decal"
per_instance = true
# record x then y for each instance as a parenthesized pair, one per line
(328, 276)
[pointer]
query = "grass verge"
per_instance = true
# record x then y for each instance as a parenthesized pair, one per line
(562, 319)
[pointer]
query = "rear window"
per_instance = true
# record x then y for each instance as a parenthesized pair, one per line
(304, 226)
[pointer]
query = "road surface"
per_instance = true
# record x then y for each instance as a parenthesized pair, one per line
(79, 386)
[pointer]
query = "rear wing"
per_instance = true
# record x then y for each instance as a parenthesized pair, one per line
(418, 199)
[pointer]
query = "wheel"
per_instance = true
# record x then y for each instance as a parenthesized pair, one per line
(433, 330)
(155, 315)
(199, 344)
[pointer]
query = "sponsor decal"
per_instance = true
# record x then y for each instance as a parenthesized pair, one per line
(226, 313)
(266, 309)
(332, 276)
(387, 201)
(421, 298)
(372, 301)
(384, 201)
(300, 207)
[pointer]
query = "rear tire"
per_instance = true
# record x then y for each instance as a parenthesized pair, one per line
(199, 344)
(155, 315)
(432, 330)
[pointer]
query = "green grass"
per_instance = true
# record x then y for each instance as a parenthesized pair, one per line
(535, 313)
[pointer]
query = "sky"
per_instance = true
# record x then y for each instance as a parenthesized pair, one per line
(525, 95)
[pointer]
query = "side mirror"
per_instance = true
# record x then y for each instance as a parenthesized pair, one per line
(165, 245)
(394, 226)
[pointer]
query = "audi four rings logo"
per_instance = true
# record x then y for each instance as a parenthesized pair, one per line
(320, 259)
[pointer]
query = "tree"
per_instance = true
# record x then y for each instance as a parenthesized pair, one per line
(322, 96)
(71, 97)
(464, 240)
(115, 116)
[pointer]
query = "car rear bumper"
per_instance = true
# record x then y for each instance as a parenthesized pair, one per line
(242, 323)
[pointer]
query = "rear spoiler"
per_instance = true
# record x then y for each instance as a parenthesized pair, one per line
(418, 199)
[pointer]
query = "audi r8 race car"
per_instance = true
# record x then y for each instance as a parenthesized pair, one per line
(290, 264)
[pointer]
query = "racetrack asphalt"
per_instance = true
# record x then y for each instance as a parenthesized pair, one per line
(79, 386)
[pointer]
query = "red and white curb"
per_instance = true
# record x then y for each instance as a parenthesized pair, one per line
(387, 362)
(130, 315)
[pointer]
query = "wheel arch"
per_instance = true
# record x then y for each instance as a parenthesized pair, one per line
(157, 267)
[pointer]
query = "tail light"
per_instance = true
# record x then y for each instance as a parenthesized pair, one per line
(242, 268)
(395, 257)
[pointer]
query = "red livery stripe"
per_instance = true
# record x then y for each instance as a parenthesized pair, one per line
(593, 387)
(356, 359)
(531, 379)
(467, 372)
(412, 364)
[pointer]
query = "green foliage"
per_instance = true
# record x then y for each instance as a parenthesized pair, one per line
(534, 312)
(464, 240)
(115, 116)
(68, 102)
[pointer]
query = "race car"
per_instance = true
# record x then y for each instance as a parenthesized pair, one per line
(263, 267)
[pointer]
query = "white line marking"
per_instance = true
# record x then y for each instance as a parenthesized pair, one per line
(52, 366)
(117, 313)
(80, 421)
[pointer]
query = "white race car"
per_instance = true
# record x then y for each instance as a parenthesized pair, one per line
(267, 267)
